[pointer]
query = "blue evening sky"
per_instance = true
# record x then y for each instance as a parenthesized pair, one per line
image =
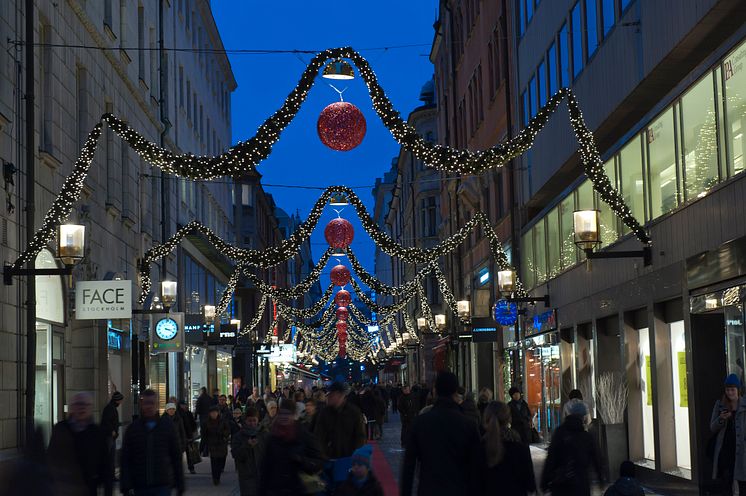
(264, 81)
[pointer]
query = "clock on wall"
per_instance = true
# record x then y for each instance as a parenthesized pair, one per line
(166, 328)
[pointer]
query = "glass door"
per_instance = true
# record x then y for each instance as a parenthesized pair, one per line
(550, 363)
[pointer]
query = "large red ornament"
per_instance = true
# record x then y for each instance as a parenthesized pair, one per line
(341, 126)
(339, 234)
(341, 327)
(340, 275)
(342, 313)
(342, 350)
(342, 298)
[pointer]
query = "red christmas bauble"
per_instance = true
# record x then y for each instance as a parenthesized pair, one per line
(339, 233)
(342, 298)
(340, 275)
(341, 327)
(342, 313)
(342, 350)
(341, 126)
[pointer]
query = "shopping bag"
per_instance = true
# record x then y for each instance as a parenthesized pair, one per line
(193, 455)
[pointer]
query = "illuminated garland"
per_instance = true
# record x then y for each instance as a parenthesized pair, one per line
(448, 297)
(248, 328)
(427, 312)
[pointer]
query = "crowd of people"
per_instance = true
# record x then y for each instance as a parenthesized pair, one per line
(317, 441)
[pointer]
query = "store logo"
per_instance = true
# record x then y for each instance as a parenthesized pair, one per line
(103, 300)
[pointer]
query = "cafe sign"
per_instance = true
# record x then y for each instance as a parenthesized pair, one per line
(103, 300)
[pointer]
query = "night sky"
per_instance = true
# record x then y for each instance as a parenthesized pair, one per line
(264, 81)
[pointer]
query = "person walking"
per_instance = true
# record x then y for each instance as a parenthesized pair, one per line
(110, 429)
(217, 433)
(446, 445)
(726, 424)
(226, 412)
(510, 470)
(520, 415)
(171, 413)
(190, 429)
(571, 454)
(395, 393)
(484, 399)
(202, 409)
(361, 481)
(408, 408)
(266, 423)
(340, 430)
(292, 458)
(469, 407)
(78, 453)
(247, 448)
(626, 484)
(151, 458)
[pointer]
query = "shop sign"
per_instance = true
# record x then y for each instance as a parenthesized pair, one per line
(114, 340)
(196, 330)
(262, 349)
(540, 322)
(282, 353)
(103, 300)
(483, 330)
(226, 335)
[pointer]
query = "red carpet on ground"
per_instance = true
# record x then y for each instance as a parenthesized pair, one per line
(383, 471)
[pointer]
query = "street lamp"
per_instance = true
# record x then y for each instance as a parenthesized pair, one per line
(237, 323)
(587, 236)
(209, 312)
(440, 321)
(338, 69)
(506, 280)
(421, 324)
(339, 252)
(338, 200)
(463, 307)
(168, 293)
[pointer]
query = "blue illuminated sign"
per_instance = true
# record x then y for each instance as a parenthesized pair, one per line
(484, 276)
(114, 340)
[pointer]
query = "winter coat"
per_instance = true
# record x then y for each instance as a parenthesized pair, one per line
(110, 420)
(448, 448)
(368, 405)
(371, 487)
(521, 419)
(625, 486)
(408, 407)
(340, 431)
(190, 425)
(202, 409)
(514, 475)
(283, 461)
(248, 459)
(570, 456)
(717, 427)
(77, 460)
(216, 433)
(179, 428)
(151, 456)
(380, 410)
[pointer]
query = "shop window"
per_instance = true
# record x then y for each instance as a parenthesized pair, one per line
(630, 175)
(734, 84)
(554, 242)
(527, 267)
(699, 133)
(540, 252)
(680, 397)
(660, 137)
(584, 363)
(607, 217)
(646, 394)
(577, 40)
(568, 255)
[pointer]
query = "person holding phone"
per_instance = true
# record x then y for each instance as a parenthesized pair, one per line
(728, 424)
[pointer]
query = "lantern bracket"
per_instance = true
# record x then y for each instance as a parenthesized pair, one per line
(646, 254)
(9, 271)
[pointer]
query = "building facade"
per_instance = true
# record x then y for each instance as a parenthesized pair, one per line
(663, 87)
(177, 99)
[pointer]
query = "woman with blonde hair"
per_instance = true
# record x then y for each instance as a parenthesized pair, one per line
(510, 471)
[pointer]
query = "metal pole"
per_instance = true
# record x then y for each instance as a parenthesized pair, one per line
(30, 194)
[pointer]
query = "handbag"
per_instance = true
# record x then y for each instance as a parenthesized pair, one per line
(193, 455)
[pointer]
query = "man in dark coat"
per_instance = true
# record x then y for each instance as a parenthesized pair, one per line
(247, 448)
(110, 429)
(447, 446)
(190, 428)
(570, 456)
(408, 409)
(151, 458)
(520, 415)
(77, 454)
(395, 393)
(202, 409)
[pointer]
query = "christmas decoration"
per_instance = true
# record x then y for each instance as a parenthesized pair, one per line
(339, 233)
(340, 275)
(341, 126)
(341, 327)
(342, 298)
(342, 313)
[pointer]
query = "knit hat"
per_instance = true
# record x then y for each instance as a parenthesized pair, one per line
(170, 406)
(733, 381)
(117, 396)
(362, 455)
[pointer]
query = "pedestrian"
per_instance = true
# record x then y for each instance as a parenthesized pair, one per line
(446, 445)
(110, 429)
(202, 409)
(236, 421)
(266, 423)
(408, 409)
(190, 429)
(217, 433)
(299, 397)
(395, 392)
(469, 408)
(570, 456)
(215, 397)
(361, 480)
(309, 414)
(78, 451)
(247, 448)
(340, 431)
(226, 412)
(380, 412)
(243, 394)
(510, 470)
(626, 484)
(484, 399)
(171, 413)
(292, 459)
(151, 458)
(727, 424)
(368, 407)
(520, 415)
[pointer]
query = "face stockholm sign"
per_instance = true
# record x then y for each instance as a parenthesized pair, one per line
(103, 300)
